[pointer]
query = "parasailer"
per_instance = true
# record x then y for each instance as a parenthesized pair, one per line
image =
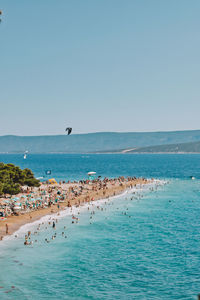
(69, 130)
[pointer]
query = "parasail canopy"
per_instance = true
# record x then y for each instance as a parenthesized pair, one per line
(69, 130)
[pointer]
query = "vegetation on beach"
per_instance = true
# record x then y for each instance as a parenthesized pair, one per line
(12, 178)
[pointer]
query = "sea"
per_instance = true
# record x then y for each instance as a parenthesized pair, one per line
(143, 244)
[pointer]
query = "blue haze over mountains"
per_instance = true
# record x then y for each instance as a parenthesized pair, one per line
(101, 142)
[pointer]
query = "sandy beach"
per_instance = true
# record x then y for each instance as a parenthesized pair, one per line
(72, 194)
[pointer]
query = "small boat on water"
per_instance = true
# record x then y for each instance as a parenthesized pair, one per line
(25, 154)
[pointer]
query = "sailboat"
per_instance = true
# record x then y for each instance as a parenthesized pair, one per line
(25, 154)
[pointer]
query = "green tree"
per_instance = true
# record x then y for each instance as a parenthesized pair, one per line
(12, 178)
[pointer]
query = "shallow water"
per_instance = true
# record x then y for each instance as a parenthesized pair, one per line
(151, 252)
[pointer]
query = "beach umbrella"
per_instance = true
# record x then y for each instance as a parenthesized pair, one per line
(91, 173)
(52, 181)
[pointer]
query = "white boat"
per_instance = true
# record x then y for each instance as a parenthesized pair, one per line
(25, 154)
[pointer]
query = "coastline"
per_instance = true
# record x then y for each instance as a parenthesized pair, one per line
(16, 222)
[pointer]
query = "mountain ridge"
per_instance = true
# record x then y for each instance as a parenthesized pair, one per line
(94, 142)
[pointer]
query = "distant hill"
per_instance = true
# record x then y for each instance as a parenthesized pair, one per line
(94, 142)
(172, 148)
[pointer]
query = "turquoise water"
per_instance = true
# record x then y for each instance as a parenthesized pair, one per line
(151, 252)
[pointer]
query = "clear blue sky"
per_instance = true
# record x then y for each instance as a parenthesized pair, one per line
(99, 65)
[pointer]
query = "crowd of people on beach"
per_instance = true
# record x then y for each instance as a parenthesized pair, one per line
(64, 194)
(47, 194)
(32, 237)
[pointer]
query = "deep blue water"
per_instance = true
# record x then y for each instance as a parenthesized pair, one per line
(75, 166)
(152, 252)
